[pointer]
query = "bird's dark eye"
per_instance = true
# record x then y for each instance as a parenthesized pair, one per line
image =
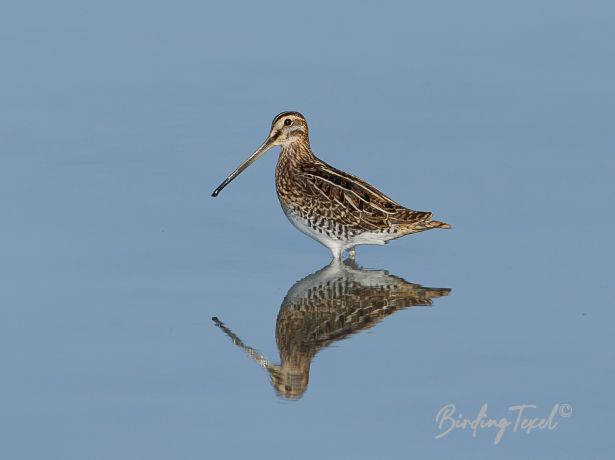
(287, 122)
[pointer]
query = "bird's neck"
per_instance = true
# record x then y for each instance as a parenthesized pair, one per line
(292, 159)
(295, 153)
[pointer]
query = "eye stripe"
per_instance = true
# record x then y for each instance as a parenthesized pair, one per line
(286, 114)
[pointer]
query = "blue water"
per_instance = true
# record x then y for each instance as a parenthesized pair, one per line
(117, 120)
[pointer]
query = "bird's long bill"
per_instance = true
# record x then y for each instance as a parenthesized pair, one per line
(255, 156)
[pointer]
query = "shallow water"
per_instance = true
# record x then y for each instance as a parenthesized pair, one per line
(117, 122)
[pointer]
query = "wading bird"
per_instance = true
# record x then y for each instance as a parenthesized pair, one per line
(331, 206)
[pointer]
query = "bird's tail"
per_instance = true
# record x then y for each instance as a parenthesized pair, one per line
(436, 224)
(421, 224)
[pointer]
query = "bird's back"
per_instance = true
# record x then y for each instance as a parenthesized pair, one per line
(319, 191)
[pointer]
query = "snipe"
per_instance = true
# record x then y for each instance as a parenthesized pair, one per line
(325, 307)
(335, 208)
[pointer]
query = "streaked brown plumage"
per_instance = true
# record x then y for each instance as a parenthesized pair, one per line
(330, 305)
(333, 207)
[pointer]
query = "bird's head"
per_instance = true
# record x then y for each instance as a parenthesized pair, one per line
(287, 128)
(290, 383)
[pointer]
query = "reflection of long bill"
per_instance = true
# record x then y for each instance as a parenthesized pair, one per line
(255, 156)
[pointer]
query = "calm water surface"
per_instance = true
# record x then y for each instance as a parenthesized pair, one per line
(118, 120)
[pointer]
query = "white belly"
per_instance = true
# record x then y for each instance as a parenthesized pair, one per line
(335, 245)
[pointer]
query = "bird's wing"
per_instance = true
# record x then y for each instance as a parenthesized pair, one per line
(353, 201)
(330, 306)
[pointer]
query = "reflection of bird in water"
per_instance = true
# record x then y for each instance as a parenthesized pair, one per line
(326, 306)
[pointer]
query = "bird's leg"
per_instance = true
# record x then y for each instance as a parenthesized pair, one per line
(336, 252)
